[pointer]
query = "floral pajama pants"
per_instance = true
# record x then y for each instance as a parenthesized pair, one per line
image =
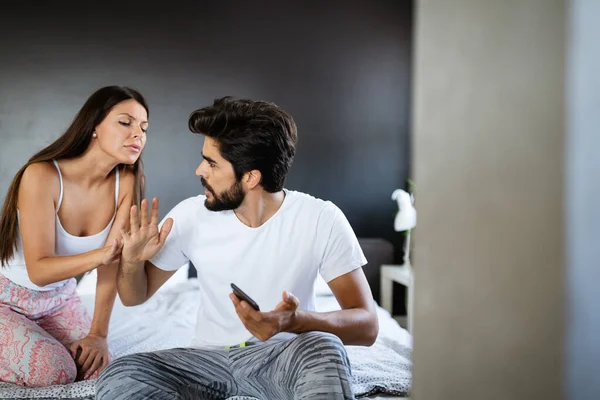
(36, 328)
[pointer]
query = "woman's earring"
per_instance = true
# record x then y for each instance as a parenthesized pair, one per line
(94, 135)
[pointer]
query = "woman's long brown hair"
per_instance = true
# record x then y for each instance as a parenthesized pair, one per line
(73, 143)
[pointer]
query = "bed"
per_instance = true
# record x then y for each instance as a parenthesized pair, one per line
(382, 371)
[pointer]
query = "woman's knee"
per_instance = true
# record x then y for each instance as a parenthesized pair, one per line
(31, 356)
(48, 363)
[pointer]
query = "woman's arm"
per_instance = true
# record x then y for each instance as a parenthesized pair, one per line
(106, 285)
(94, 354)
(37, 213)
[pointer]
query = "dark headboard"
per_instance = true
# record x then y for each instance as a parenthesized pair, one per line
(377, 251)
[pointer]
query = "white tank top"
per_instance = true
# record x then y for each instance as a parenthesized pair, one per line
(65, 244)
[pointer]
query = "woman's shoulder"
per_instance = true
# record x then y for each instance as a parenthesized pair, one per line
(40, 179)
(126, 181)
(42, 169)
(40, 174)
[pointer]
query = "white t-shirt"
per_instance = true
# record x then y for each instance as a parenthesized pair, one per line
(306, 236)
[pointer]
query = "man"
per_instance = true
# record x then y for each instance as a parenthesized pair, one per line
(271, 242)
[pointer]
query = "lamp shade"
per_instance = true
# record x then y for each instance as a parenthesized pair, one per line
(407, 215)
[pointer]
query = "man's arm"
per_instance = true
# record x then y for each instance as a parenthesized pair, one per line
(137, 278)
(355, 324)
(136, 283)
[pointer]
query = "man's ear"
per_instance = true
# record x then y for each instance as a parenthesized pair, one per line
(252, 179)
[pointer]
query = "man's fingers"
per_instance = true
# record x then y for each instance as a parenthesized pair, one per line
(245, 309)
(238, 307)
(154, 213)
(144, 212)
(252, 313)
(280, 306)
(235, 300)
(125, 235)
(134, 220)
(291, 300)
(164, 230)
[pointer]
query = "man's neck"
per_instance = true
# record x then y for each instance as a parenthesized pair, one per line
(258, 207)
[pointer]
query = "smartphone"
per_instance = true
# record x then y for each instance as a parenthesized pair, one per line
(243, 296)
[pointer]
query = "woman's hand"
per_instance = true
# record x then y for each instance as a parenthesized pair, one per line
(90, 355)
(111, 252)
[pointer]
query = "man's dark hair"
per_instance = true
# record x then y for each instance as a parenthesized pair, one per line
(250, 135)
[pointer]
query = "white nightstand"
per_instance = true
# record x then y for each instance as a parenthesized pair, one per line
(402, 274)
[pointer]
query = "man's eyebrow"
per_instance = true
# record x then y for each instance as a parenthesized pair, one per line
(209, 159)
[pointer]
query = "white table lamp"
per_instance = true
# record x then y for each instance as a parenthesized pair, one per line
(406, 219)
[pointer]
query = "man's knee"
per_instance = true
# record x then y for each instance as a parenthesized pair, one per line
(325, 372)
(114, 368)
(324, 342)
(322, 350)
(125, 365)
(116, 372)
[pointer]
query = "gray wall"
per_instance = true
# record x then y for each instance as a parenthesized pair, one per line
(342, 68)
(583, 202)
(488, 160)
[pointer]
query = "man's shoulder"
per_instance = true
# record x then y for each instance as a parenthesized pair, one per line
(190, 205)
(305, 202)
(302, 198)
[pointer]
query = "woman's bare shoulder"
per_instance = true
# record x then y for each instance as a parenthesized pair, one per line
(40, 175)
(127, 181)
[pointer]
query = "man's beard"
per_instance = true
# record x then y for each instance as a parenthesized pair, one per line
(230, 199)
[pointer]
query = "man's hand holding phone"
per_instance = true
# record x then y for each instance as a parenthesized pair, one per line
(264, 325)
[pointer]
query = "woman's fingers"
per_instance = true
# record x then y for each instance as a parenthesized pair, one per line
(105, 359)
(73, 349)
(88, 362)
(115, 247)
(95, 364)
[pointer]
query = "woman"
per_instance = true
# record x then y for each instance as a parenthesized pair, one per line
(62, 217)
